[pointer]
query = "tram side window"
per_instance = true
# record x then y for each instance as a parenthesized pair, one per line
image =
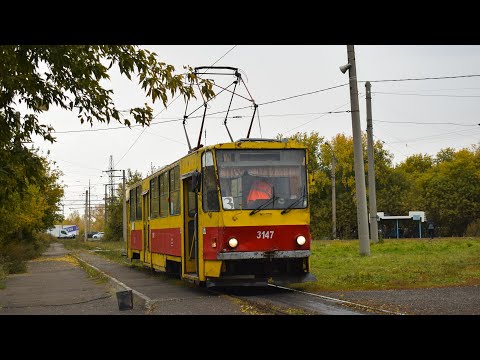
(154, 197)
(132, 204)
(175, 191)
(164, 194)
(139, 203)
(210, 192)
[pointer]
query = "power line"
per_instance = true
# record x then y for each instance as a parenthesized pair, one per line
(393, 147)
(461, 133)
(164, 110)
(221, 57)
(443, 89)
(214, 113)
(131, 146)
(429, 95)
(425, 78)
(81, 166)
(201, 74)
(324, 114)
(426, 123)
(290, 97)
(304, 94)
(117, 127)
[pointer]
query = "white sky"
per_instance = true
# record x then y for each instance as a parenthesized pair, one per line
(277, 72)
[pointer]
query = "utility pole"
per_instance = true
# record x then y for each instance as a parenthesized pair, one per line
(86, 212)
(105, 212)
(124, 209)
(334, 202)
(89, 204)
(111, 183)
(372, 195)
(112, 180)
(362, 217)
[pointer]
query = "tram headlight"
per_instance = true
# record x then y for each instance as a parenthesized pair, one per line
(233, 243)
(301, 240)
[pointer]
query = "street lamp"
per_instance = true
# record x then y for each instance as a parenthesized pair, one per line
(361, 193)
(334, 205)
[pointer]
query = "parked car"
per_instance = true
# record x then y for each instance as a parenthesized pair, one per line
(98, 235)
(91, 233)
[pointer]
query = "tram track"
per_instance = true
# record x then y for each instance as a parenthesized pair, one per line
(342, 302)
(281, 300)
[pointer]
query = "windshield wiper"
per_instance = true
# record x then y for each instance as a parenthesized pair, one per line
(284, 211)
(269, 201)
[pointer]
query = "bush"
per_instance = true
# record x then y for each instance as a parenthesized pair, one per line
(3, 274)
(473, 229)
(15, 254)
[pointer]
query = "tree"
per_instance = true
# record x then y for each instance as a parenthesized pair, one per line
(406, 186)
(98, 218)
(114, 225)
(312, 141)
(34, 207)
(76, 219)
(71, 77)
(452, 191)
(320, 162)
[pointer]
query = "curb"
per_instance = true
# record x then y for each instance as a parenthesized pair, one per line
(139, 299)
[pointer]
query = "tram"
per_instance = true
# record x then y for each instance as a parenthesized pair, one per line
(197, 216)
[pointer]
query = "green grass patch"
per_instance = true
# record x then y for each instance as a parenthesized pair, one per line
(112, 250)
(394, 264)
(92, 273)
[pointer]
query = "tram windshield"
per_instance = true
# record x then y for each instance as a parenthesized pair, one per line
(262, 179)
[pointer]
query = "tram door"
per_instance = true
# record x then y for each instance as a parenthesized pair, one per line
(190, 254)
(146, 228)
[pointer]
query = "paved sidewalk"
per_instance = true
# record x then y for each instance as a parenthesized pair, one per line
(55, 284)
(162, 295)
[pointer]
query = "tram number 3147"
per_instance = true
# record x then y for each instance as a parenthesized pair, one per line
(268, 234)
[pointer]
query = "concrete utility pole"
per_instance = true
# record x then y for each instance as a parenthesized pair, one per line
(334, 197)
(124, 209)
(362, 217)
(89, 204)
(372, 194)
(86, 213)
(105, 212)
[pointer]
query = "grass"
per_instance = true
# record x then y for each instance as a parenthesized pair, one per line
(394, 264)
(92, 273)
(112, 250)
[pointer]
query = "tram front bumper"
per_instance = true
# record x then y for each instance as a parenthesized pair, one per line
(275, 254)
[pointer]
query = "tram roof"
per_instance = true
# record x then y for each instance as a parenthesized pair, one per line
(251, 143)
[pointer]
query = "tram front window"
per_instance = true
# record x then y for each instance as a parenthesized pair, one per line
(252, 178)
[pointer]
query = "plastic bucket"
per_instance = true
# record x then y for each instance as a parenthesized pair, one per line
(125, 300)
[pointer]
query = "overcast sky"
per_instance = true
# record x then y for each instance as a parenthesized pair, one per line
(401, 110)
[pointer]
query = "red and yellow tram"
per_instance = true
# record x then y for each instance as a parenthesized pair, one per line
(200, 217)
